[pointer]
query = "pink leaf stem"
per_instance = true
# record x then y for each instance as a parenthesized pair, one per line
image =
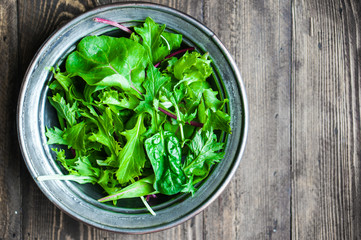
(150, 196)
(115, 24)
(193, 123)
(173, 54)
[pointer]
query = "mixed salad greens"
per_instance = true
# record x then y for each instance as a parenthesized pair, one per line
(137, 114)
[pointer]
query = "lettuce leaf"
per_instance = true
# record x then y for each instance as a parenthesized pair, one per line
(109, 61)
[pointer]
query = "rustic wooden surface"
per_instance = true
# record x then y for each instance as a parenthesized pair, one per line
(300, 176)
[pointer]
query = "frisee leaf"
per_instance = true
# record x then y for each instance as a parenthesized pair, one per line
(192, 67)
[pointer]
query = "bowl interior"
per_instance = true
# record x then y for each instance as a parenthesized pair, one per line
(94, 191)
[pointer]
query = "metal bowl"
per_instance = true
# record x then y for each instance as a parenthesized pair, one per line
(80, 201)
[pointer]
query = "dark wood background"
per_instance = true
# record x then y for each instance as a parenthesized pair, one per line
(300, 176)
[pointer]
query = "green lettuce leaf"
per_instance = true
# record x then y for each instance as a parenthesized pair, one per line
(112, 97)
(109, 61)
(192, 67)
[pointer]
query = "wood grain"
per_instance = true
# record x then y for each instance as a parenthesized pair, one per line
(37, 20)
(300, 176)
(326, 119)
(10, 196)
(257, 203)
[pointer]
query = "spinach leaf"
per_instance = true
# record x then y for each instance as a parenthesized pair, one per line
(164, 152)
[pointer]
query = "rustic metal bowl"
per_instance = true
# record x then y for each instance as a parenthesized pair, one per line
(80, 201)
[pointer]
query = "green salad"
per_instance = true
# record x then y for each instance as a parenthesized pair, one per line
(136, 114)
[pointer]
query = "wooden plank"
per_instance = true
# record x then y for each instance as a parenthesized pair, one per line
(37, 20)
(326, 69)
(42, 220)
(256, 205)
(10, 197)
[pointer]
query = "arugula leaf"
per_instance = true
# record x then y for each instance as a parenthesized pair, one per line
(55, 136)
(109, 61)
(103, 133)
(204, 152)
(164, 152)
(85, 168)
(218, 121)
(75, 136)
(153, 83)
(132, 157)
(81, 171)
(157, 42)
(107, 181)
(211, 100)
(68, 164)
(65, 111)
(155, 80)
(62, 78)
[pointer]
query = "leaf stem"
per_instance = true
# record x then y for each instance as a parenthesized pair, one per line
(147, 206)
(180, 124)
(193, 123)
(173, 54)
(115, 24)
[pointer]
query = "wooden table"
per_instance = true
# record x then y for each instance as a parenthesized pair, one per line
(300, 176)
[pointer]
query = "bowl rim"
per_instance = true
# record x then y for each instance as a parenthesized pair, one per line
(243, 97)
